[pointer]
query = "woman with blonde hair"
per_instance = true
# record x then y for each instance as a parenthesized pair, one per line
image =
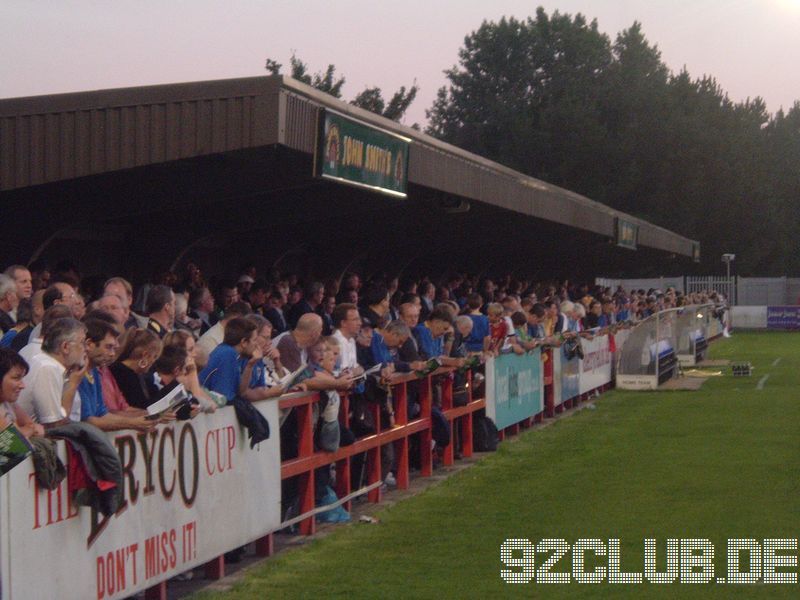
(209, 401)
(139, 349)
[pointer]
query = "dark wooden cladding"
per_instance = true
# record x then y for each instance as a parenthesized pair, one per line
(51, 138)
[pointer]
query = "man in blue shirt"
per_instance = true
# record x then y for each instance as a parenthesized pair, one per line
(480, 324)
(535, 317)
(430, 336)
(101, 350)
(224, 373)
(230, 367)
(384, 347)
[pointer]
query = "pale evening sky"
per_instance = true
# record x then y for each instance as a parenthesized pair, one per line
(752, 47)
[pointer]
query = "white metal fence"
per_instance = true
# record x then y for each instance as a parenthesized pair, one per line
(722, 285)
(654, 283)
(742, 291)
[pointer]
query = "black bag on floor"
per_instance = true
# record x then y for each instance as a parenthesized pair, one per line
(362, 423)
(484, 434)
(440, 428)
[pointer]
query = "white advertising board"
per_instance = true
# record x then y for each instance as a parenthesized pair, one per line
(193, 490)
(595, 366)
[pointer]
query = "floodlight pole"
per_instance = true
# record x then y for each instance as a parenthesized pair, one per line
(728, 259)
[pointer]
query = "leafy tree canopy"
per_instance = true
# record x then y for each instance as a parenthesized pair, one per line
(554, 97)
(370, 99)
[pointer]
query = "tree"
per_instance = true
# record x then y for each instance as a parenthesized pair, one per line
(324, 81)
(523, 95)
(370, 99)
(552, 97)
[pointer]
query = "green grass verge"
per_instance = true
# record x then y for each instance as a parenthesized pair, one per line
(718, 463)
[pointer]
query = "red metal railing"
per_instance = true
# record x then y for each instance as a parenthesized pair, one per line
(308, 460)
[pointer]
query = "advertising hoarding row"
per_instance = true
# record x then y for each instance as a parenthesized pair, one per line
(193, 490)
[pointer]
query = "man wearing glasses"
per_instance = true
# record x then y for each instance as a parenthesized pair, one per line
(51, 384)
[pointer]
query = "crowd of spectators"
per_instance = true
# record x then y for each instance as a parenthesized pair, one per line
(98, 352)
(93, 350)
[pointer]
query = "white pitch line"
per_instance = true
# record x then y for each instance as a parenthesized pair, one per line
(761, 382)
(777, 361)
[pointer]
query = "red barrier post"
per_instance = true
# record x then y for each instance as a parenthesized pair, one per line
(448, 453)
(374, 473)
(306, 480)
(466, 435)
(305, 443)
(157, 592)
(374, 457)
(343, 475)
(400, 395)
(265, 546)
(425, 436)
(215, 569)
(344, 484)
(344, 409)
(305, 490)
(466, 422)
(303, 466)
(401, 460)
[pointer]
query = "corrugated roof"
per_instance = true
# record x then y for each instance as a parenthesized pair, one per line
(51, 138)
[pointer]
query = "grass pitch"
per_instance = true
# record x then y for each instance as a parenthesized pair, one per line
(718, 463)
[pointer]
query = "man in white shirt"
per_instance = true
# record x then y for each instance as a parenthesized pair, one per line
(51, 385)
(8, 302)
(57, 294)
(201, 305)
(347, 324)
(22, 277)
(51, 315)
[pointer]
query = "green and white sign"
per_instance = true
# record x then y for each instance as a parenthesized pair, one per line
(355, 153)
(627, 234)
(514, 387)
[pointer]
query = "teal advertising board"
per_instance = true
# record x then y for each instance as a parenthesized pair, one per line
(570, 376)
(514, 388)
(355, 153)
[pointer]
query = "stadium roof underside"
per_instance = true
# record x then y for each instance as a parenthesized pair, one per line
(161, 173)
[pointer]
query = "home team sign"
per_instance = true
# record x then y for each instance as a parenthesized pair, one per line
(353, 152)
(193, 490)
(595, 366)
